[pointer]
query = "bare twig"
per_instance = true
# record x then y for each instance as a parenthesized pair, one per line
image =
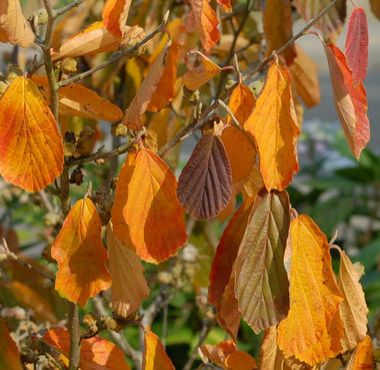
(118, 54)
(204, 117)
(66, 8)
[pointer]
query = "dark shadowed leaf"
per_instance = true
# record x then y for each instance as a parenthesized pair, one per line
(261, 281)
(204, 187)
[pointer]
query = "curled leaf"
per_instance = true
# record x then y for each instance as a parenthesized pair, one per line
(115, 14)
(362, 358)
(205, 184)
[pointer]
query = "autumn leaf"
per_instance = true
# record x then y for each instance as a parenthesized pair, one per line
(362, 358)
(160, 73)
(78, 100)
(146, 214)
(261, 285)
(199, 75)
(31, 149)
(9, 354)
(375, 7)
(312, 330)
(273, 124)
(206, 22)
(353, 309)
(154, 356)
(14, 28)
(96, 39)
(115, 14)
(226, 5)
(80, 240)
(241, 103)
(96, 353)
(205, 184)
(331, 24)
(129, 287)
(278, 27)
(357, 45)
(350, 101)
(304, 73)
(240, 360)
(165, 90)
(238, 145)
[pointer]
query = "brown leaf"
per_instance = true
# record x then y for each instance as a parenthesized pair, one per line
(205, 184)
(9, 354)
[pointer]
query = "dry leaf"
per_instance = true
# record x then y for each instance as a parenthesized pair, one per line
(261, 285)
(206, 22)
(96, 353)
(78, 100)
(226, 5)
(205, 184)
(129, 287)
(304, 73)
(31, 149)
(278, 27)
(199, 75)
(273, 124)
(9, 354)
(362, 358)
(350, 101)
(353, 309)
(154, 356)
(80, 240)
(357, 45)
(146, 214)
(241, 103)
(240, 360)
(14, 28)
(115, 14)
(312, 330)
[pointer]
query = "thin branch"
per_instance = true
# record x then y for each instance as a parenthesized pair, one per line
(66, 8)
(205, 116)
(118, 54)
(74, 331)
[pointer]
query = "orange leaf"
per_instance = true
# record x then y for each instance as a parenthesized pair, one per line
(31, 149)
(353, 309)
(165, 90)
(305, 77)
(95, 353)
(146, 214)
(205, 184)
(278, 27)
(196, 77)
(206, 22)
(96, 39)
(217, 354)
(362, 358)
(80, 240)
(274, 125)
(350, 101)
(313, 329)
(357, 45)
(241, 103)
(240, 360)
(154, 356)
(14, 28)
(9, 354)
(226, 5)
(157, 72)
(78, 100)
(241, 153)
(115, 14)
(129, 287)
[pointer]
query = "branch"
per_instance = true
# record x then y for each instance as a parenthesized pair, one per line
(118, 54)
(66, 8)
(205, 116)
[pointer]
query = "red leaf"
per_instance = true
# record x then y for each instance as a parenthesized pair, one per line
(357, 45)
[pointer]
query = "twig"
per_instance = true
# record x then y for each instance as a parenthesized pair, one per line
(203, 119)
(66, 8)
(74, 331)
(118, 55)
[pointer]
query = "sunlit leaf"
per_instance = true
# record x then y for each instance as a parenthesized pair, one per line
(362, 358)
(241, 103)
(115, 14)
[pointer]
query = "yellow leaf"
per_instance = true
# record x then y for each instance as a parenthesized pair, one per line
(14, 28)
(31, 149)
(313, 329)
(154, 356)
(362, 358)
(146, 214)
(241, 103)
(81, 255)
(353, 309)
(129, 287)
(274, 125)
(9, 354)
(115, 14)
(196, 77)
(78, 100)
(304, 73)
